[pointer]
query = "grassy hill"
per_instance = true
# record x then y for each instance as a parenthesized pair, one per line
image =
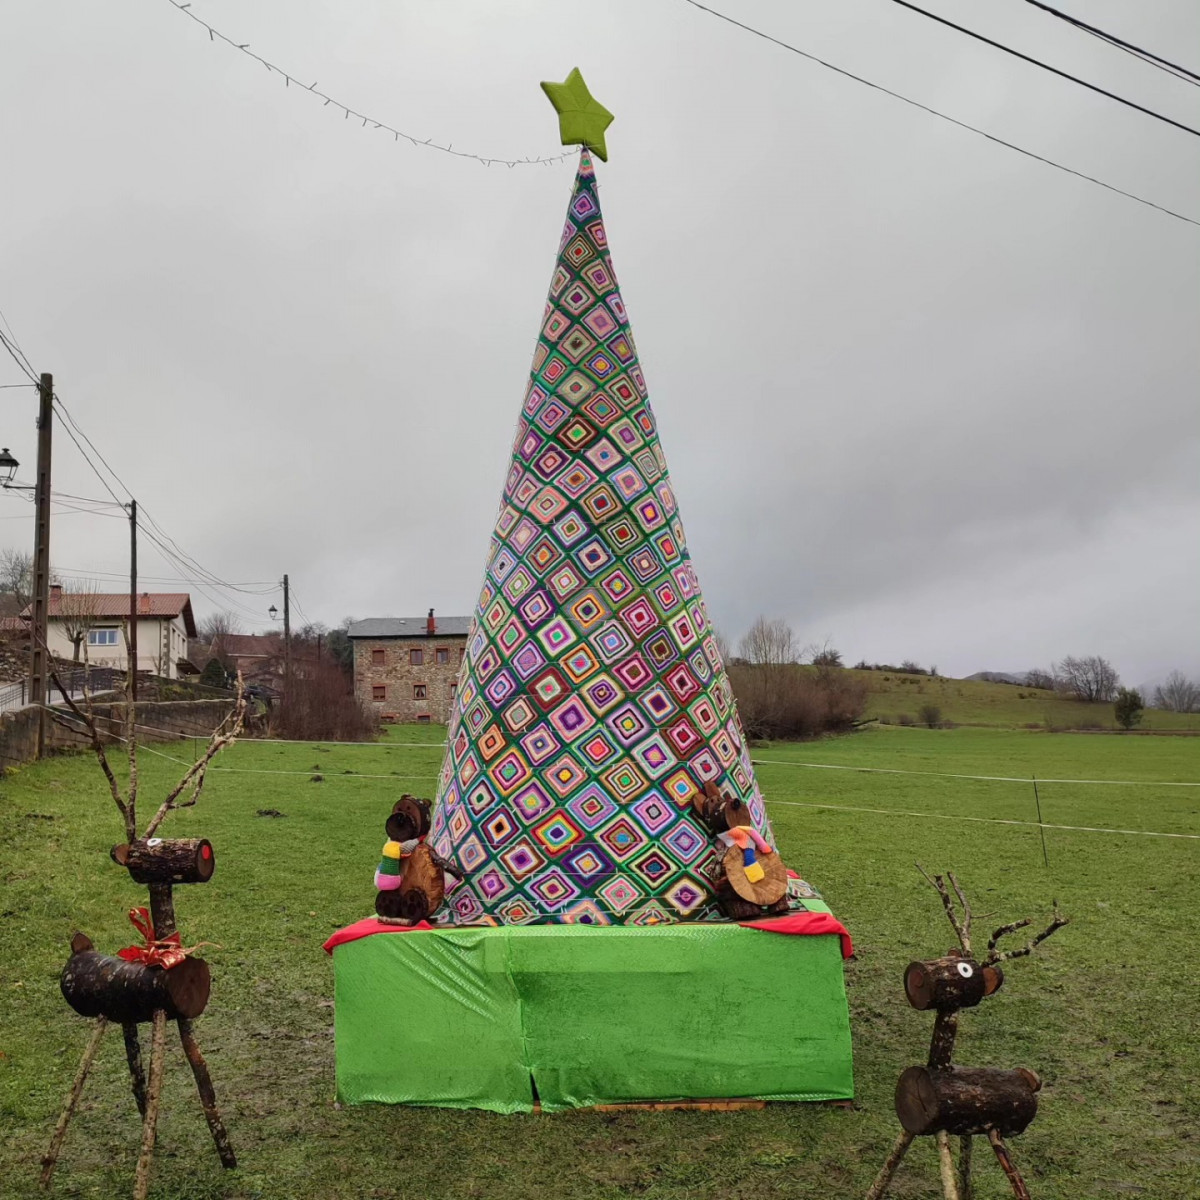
(895, 696)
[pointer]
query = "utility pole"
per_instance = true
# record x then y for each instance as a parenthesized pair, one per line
(133, 602)
(39, 625)
(287, 641)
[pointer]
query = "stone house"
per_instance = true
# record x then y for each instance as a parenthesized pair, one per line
(406, 668)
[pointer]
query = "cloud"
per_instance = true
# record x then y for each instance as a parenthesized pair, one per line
(916, 391)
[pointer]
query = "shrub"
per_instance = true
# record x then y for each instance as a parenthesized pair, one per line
(320, 705)
(931, 715)
(1128, 707)
(785, 701)
(905, 719)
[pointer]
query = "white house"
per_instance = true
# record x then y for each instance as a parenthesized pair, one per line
(101, 620)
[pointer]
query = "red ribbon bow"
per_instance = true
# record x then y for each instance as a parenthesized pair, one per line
(165, 952)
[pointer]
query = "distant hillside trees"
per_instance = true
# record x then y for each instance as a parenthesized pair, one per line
(826, 656)
(907, 667)
(1038, 678)
(1092, 678)
(1178, 694)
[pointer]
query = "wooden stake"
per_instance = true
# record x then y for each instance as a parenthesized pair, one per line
(964, 1167)
(946, 1162)
(208, 1097)
(50, 1159)
(158, 1052)
(894, 1159)
(133, 1053)
(1020, 1191)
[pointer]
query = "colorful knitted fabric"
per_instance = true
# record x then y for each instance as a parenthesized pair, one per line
(592, 703)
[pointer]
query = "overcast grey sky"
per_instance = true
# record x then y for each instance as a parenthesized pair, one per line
(917, 392)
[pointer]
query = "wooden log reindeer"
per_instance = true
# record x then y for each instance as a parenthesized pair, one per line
(940, 1099)
(750, 879)
(410, 879)
(159, 981)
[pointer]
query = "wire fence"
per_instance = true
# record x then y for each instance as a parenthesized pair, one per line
(359, 776)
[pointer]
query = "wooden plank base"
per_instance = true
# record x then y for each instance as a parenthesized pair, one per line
(695, 1105)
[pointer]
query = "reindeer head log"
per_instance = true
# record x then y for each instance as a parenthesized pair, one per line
(949, 983)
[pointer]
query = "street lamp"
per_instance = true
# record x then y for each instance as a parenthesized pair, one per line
(272, 612)
(8, 467)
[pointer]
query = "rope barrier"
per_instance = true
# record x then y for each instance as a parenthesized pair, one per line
(787, 762)
(899, 812)
(887, 812)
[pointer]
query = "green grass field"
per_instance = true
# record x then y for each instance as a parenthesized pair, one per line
(1106, 1011)
(893, 695)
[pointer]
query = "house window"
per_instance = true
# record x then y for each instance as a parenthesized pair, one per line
(416, 657)
(103, 637)
(423, 719)
(420, 691)
(378, 658)
(441, 656)
(379, 691)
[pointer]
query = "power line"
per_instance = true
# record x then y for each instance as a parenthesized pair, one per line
(18, 356)
(288, 80)
(1037, 62)
(991, 137)
(1148, 56)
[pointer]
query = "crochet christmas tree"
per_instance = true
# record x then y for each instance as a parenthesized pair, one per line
(592, 704)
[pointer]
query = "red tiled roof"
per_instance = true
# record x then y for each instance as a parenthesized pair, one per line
(248, 644)
(116, 604)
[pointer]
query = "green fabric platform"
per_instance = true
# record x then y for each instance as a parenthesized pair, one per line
(479, 1017)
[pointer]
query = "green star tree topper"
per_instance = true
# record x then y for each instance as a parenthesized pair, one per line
(582, 119)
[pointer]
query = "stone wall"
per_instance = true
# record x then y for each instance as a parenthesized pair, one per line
(386, 677)
(157, 721)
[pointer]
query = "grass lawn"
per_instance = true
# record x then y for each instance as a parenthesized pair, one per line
(1106, 1012)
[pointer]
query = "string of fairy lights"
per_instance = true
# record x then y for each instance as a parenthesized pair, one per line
(368, 121)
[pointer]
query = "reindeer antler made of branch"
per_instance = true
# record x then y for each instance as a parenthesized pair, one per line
(998, 956)
(88, 720)
(961, 925)
(224, 735)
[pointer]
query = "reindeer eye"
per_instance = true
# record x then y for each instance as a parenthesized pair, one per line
(965, 969)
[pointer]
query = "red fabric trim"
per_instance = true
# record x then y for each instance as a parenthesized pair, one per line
(366, 927)
(807, 923)
(795, 923)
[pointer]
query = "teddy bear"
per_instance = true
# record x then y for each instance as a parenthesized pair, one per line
(749, 878)
(411, 880)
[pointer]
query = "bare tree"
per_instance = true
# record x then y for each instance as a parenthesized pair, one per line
(16, 577)
(1179, 694)
(77, 609)
(824, 655)
(1091, 678)
(769, 643)
(216, 626)
(1039, 678)
(724, 649)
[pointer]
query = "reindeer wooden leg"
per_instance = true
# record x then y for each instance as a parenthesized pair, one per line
(964, 1167)
(894, 1159)
(946, 1162)
(50, 1158)
(1020, 1191)
(158, 1052)
(133, 1054)
(208, 1097)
